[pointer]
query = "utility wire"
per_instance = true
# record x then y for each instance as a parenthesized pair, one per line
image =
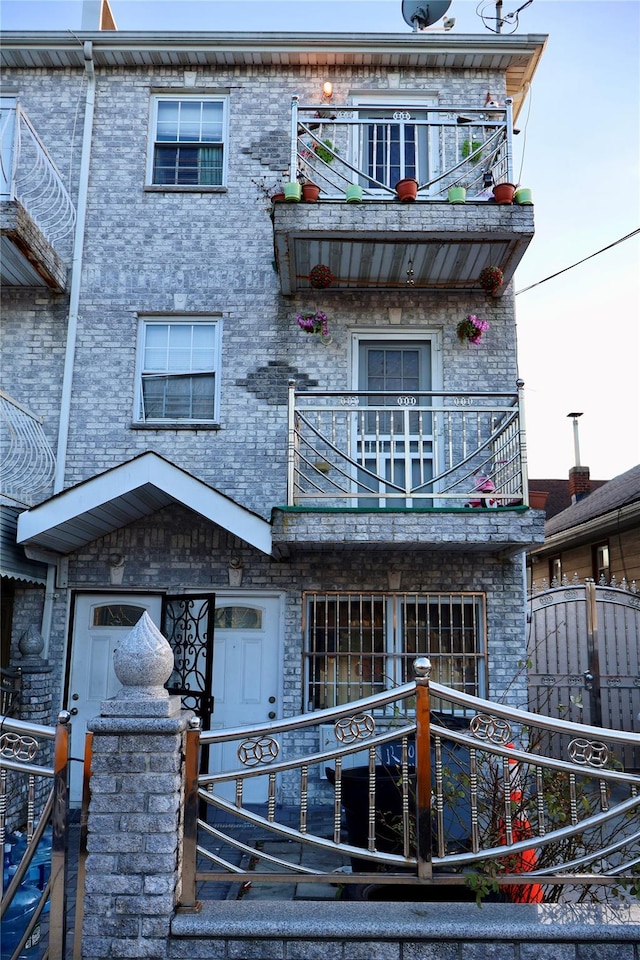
(577, 264)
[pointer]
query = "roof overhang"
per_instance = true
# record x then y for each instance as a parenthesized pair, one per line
(14, 564)
(127, 493)
(613, 522)
(517, 56)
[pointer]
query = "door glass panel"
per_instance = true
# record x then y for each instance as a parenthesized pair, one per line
(117, 615)
(238, 618)
(394, 147)
(395, 445)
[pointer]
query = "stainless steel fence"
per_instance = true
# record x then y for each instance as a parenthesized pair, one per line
(34, 797)
(429, 449)
(375, 146)
(447, 789)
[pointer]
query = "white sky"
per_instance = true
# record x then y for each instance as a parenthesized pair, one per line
(578, 150)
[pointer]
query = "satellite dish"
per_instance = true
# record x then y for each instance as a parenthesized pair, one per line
(421, 14)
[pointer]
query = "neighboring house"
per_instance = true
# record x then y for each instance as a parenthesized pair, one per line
(583, 650)
(596, 537)
(300, 513)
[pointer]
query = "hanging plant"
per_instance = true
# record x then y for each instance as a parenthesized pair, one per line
(471, 329)
(320, 277)
(491, 279)
(317, 322)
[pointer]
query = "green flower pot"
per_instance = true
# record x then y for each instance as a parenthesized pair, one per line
(457, 194)
(354, 193)
(523, 196)
(292, 192)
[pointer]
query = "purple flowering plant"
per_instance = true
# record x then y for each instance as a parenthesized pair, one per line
(317, 322)
(471, 329)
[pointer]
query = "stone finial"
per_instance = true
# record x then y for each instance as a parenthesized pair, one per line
(143, 662)
(31, 643)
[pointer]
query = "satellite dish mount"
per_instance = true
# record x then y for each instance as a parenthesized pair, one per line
(420, 15)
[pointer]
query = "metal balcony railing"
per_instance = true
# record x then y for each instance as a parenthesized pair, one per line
(29, 175)
(424, 449)
(376, 146)
(27, 462)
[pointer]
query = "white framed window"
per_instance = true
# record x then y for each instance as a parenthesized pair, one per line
(178, 371)
(357, 645)
(188, 141)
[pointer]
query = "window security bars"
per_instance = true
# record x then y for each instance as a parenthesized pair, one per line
(357, 645)
(29, 175)
(37, 855)
(376, 146)
(424, 449)
(477, 803)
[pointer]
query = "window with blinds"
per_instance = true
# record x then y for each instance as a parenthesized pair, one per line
(188, 141)
(178, 371)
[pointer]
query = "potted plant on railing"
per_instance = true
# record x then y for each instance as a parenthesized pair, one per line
(504, 192)
(310, 191)
(407, 189)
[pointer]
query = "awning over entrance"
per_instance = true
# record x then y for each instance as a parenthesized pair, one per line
(126, 493)
(14, 564)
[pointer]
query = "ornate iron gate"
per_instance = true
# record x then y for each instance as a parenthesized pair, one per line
(583, 657)
(187, 623)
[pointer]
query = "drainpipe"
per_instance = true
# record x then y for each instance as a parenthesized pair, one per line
(72, 323)
(509, 118)
(76, 271)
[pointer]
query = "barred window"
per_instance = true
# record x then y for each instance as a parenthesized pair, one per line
(357, 645)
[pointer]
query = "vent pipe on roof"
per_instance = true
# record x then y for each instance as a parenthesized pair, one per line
(97, 15)
(579, 476)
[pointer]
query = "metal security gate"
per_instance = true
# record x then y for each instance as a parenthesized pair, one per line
(187, 623)
(583, 657)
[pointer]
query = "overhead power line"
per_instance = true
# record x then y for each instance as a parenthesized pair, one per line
(577, 264)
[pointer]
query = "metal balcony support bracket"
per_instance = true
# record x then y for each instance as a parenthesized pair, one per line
(422, 667)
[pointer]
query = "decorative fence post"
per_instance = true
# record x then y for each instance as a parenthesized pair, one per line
(134, 823)
(422, 668)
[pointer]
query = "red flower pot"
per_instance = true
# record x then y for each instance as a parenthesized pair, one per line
(504, 192)
(310, 192)
(407, 189)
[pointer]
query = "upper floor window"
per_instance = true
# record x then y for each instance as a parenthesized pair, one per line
(188, 141)
(178, 371)
(601, 563)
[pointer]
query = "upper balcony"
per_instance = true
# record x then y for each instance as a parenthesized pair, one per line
(36, 213)
(378, 242)
(433, 470)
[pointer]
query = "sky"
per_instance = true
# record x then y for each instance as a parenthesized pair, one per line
(578, 149)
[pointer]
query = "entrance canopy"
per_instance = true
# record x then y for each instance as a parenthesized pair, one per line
(126, 493)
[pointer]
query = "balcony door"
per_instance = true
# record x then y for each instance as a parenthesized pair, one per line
(394, 145)
(395, 445)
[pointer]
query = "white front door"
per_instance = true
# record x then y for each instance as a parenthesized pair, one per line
(246, 678)
(99, 623)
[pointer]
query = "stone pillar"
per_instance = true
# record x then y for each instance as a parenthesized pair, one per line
(134, 821)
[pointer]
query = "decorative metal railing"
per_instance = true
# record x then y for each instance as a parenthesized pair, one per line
(35, 857)
(27, 462)
(29, 175)
(466, 796)
(427, 449)
(376, 146)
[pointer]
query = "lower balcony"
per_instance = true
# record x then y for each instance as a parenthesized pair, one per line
(430, 470)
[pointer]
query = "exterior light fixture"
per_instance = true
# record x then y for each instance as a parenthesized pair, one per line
(327, 90)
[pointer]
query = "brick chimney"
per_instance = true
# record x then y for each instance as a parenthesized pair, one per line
(579, 483)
